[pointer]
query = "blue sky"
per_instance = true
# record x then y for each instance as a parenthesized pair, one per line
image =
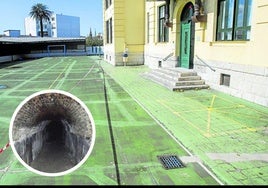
(13, 12)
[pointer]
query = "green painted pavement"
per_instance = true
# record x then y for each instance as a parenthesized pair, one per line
(139, 138)
(208, 123)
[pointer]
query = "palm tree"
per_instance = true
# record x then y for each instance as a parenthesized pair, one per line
(40, 12)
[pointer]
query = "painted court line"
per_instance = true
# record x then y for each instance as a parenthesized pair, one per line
(180, 116)
(172, 136)
(58, 76)
(29, 80)
(80, 80)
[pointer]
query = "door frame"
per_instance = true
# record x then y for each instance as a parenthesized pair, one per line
(186, 17)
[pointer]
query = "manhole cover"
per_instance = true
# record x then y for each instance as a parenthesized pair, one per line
(170, 161)
(3, 86)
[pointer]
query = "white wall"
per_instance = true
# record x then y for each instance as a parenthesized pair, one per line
(30, 26)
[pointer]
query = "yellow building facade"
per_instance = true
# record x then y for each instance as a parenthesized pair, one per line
(124, 31)
(224, 41)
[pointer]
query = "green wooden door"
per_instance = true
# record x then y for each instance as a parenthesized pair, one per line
(185, 52)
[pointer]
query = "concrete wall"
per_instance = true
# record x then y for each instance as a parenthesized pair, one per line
(249, 82)
(9, 58)
(12, 58)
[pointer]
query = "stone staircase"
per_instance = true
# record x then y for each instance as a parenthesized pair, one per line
(176, 79)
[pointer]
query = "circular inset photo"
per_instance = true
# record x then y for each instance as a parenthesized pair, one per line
(52, 133)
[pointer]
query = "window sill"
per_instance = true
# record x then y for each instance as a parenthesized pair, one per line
(229, 43)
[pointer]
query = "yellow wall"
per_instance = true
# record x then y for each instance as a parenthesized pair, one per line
(206, 47)
(128, 29)
(152, 46)
(244, 61)
(155, 50)
(240, 52)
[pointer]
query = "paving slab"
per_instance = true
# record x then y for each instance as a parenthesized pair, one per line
(221, 139)
(208, 123)
(138, 137)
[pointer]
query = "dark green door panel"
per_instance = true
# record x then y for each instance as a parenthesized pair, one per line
(185, 45)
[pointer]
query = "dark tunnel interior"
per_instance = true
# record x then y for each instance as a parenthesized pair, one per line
(55, 132)
(54, 142)
(54, 155)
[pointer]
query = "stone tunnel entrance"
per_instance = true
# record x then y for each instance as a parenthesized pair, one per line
(54, 156)
(52, 132)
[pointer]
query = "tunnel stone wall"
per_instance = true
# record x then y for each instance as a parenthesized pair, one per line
(48, 106)
(30, 145)
(77, 145)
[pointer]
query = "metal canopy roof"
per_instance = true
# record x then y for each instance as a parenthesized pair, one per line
(37, 39)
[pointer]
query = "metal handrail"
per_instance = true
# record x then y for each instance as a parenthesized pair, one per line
(205, 63)
(168, 56)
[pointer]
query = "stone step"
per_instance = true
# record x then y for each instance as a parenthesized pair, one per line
(171, 76)
(188, 83)
(175, 76)
(195, 87)
(189, 78)
(164, 82)
(176, 79)
(177, 71)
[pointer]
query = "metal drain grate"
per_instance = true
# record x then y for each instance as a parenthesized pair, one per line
(3, 86)
(170, 161)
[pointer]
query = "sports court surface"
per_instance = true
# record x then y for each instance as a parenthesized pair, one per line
(218, 138)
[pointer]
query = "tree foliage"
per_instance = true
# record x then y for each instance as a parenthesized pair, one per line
(40, 12)
(94, 41)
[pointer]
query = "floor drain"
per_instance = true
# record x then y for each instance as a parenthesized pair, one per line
(170, 161)
(3, 86)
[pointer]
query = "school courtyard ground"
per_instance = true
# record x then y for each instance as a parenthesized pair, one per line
(219, 139)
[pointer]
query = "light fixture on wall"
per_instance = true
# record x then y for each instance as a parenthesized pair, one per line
(198, 15)
(167, 22)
